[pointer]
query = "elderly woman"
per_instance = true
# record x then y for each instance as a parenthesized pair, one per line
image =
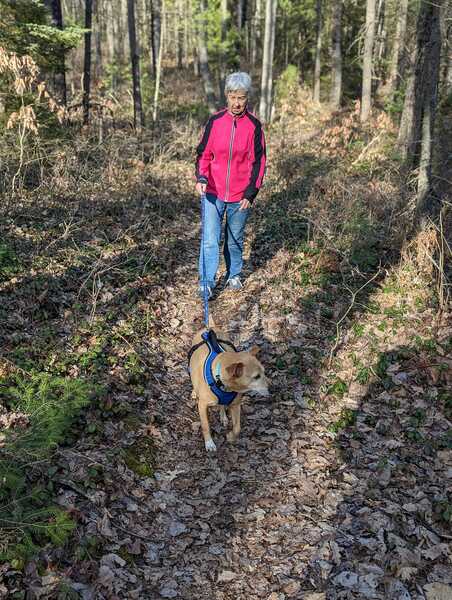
(229, 171)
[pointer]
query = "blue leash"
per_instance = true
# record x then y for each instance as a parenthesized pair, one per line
(204, 281)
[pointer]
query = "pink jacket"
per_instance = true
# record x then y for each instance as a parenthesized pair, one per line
(231, 156)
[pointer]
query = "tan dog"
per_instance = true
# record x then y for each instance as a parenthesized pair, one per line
(238, 371)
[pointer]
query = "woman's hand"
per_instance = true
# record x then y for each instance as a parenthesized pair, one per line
(244, 204)
(201, 188)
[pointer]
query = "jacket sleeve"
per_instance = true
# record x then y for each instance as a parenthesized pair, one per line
(259, 156)
(204, 154)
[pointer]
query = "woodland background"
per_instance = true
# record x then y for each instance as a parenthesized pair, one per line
(340, 484)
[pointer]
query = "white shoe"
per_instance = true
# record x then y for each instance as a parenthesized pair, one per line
(234, 283)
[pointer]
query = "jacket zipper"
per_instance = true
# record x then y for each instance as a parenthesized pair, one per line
(231, 141)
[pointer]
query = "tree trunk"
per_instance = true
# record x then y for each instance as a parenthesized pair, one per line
(155, 32)
(241, 14)
(380, 33)
(123, 18)
(411, 121)
(178, 33)
(138, 114)
(366, 96)
(265, 106)
(98, 40)
(204, 60)
(60, 74)
(429, 104)
(446, 54)
(318, 51)
(398, 47)
(186, 35)
(87, 60)
(224, 15)
(158, 72)
(336, 55)
(407, 132)
(256, 32)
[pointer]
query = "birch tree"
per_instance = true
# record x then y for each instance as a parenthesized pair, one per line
(318, 51)
(267, 61)
(158, 71)
(336, 55)
(256, 32)
(366, 96)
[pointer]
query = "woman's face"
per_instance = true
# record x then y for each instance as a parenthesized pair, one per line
(237, 101)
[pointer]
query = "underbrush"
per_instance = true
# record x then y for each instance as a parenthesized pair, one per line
(37, 415)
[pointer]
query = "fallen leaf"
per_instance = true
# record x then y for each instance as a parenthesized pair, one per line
(226, 576)
(438, 591)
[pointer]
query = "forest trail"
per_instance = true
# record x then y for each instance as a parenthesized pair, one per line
(289, 511)
(333, 488)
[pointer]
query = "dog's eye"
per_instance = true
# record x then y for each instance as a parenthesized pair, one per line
(257, 376)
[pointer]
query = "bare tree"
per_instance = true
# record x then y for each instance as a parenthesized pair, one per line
(267, 61)
(416, 131)
(138, 114)
(98, 30)
(60, 74)
(398, 46)
(366, 96)
(318, 51)
(256, 31)
(336, 55)
(154, 10)
(429, 102)
(224, 16)
(241, 13)
(159, 68)
(87, 60)
(204, 59)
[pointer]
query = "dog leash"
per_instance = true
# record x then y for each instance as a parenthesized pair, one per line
(204, 281)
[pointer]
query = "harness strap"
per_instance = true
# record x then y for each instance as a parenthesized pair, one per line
(216, 386)
(199, 344)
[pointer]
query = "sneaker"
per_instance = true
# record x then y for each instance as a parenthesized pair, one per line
(209, 292)
(234, 283)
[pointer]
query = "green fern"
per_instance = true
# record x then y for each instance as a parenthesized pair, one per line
(28, 518)
(51, 404)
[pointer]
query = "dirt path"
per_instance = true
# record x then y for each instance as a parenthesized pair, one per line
(249, 521)
(292, 510)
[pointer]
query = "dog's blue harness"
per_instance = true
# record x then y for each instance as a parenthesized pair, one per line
(213, 380)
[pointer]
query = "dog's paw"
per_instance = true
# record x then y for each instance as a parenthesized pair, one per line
(210, 446)
(231, 437)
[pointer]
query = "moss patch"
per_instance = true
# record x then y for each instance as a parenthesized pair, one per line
(139, 457)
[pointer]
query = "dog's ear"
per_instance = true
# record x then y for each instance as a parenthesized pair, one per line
(254, 351)
(235, 370)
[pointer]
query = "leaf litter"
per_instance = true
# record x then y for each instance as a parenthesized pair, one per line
(331, 492)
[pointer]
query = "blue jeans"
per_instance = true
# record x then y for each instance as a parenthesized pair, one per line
(209, 256)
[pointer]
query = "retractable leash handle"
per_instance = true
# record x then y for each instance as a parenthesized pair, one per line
(204, 280)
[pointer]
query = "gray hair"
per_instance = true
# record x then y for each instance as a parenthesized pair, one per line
(238, 81)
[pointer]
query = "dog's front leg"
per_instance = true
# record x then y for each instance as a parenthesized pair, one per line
(223, 416)
(235, 416)
(208, 441)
